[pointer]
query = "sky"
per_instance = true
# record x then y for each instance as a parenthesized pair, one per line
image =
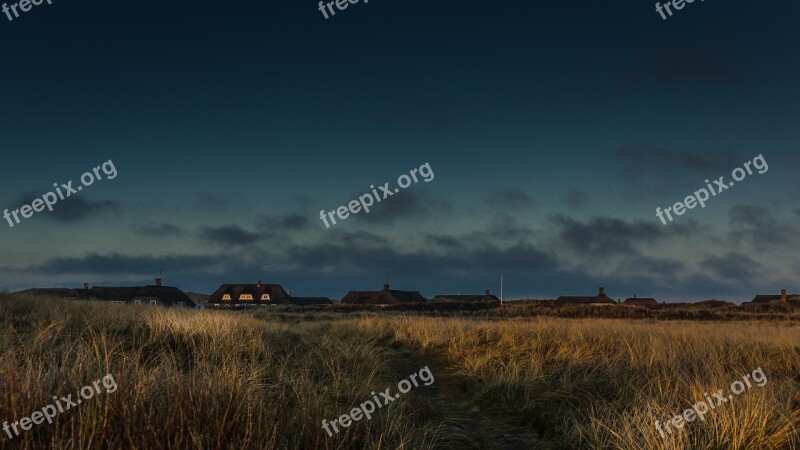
(552, 130)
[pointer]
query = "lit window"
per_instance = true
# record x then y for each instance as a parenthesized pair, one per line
(264, 296)
(245, 297)
(153, 302)
(226, 297)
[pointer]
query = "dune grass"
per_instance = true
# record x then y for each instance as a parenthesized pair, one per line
(601, 384)
(195, 379)
(264, 380)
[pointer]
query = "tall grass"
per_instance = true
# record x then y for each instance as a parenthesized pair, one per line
(194, 379)
(601, 384)
(266, 380)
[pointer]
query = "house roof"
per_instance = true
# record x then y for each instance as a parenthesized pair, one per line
(275, 291)
(167, 295)
(714, 303)
(640, 301)
(358, 297)
(384, 297)
(577, 300)
(766, 298)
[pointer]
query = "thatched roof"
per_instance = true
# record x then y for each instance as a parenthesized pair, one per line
(276, 293)
(640, 301)
(384, 297)
(166, 295)
(574, 300)
(765, 298)
(600, 298)
(713, 303)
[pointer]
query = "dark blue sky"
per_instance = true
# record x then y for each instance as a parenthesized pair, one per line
(554, 130)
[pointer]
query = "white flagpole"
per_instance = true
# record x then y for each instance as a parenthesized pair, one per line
(501, 289)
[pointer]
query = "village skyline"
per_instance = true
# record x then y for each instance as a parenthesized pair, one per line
(276, 291)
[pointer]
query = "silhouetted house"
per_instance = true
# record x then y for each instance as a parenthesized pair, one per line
(601, 299)
(713, 303)
(783, 297)
(384, 297)
(150, 295)
(640, 302)
(458, 298)
(248, 295)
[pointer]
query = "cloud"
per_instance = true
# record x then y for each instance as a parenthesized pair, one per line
(404, 205)
(294, 221)
(607, 254)
(605, 236)
(229, 235)
(575, 198)
(72, 209)
(749, 215)
(734, 266)
(654, 170)
(116, 264)
(503, 228)
(211, 202)
(757, 225)
(444, 241)
(663, 268)
(511, 199)
(360, 257)
(76, 209)
(642, 157)
(160, 229)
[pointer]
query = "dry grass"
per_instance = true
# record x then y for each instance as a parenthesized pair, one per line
(194, 379)
(215, 380)
(601, 384)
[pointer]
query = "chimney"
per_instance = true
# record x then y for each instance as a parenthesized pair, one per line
(385, 286)
(488, 293)
(86, 285)
(602, 291)
(158, 281)
(783, 295)
(258, 284)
